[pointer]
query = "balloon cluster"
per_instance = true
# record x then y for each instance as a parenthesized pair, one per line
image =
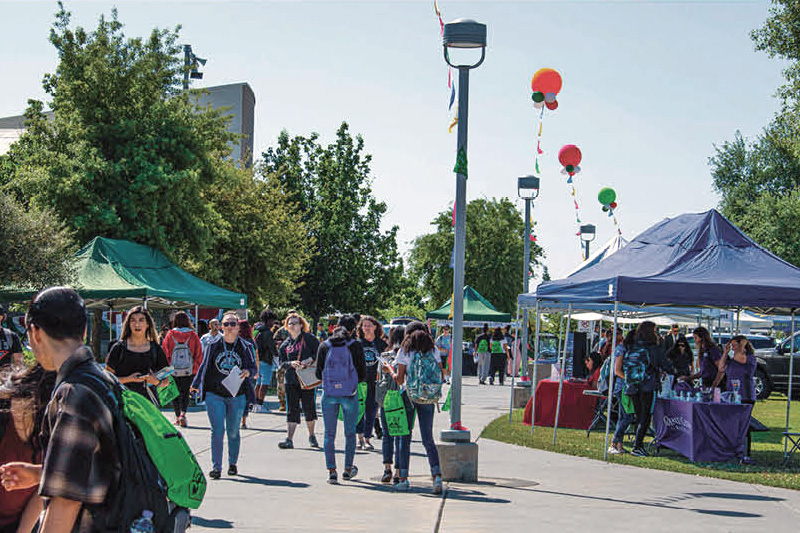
(570, 157)
(608, 198)
(545, 84)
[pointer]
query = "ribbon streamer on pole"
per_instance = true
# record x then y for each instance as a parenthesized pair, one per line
(450, 83)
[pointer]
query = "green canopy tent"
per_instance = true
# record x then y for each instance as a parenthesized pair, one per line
(477, 310)
(121, 274)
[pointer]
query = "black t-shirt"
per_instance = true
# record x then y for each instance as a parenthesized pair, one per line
(125, 362)
(223, 357)
(372, 349)
(302, 348)
(7, 348)
(265, 343)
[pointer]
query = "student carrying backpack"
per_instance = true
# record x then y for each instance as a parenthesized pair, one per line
(341, 367)
(111, 457)
(417, 367)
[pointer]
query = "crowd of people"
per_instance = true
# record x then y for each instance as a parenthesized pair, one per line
(59, 463)
(642, 358)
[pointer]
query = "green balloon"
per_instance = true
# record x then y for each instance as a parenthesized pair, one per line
(606, 196)
(538, 96)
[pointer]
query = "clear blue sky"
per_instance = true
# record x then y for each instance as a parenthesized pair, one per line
(649, 88)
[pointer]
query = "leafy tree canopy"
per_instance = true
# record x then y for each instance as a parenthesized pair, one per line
(354, 266)
(494, 254)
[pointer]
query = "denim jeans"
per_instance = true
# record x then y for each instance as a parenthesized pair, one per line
(265, 371)
(390, 446)
(425, 424)
(225, 415)
(624, 420)
(330, 414)
(484, 361)
(367, 422)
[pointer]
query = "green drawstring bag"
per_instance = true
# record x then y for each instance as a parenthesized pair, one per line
(446, 406)
(168, 393)
(395, 410)
(627, 403)
(362, 402)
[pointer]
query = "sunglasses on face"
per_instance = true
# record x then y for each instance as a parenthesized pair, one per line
(293, 323)
(229, 324)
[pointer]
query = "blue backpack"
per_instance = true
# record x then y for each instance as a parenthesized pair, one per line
(635, 364)
(424, 381)
(339, 376)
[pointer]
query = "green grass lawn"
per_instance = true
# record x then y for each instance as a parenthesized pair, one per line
(767, 447)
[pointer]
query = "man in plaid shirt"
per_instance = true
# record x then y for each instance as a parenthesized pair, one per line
(81, 464)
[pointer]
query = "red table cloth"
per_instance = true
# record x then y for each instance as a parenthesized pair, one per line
(576, 412)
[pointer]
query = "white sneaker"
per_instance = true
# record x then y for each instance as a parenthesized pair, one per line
(614, 451)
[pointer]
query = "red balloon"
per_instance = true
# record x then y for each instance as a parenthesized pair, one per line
(569, 155)
(546, 80)
(552, 105)
(613, 205)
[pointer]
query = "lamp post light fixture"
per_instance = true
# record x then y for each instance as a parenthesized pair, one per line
(528, 190)
(190, 66)
(587, 235)
(460, 34)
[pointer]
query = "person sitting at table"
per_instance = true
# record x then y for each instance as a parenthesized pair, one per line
(740, 366)
(641, 365)
(682, 359)
(712, 365)
(593, 362)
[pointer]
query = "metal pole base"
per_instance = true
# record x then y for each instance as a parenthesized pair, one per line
(454, 435)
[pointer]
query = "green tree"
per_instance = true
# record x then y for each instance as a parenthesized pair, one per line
(36, 247)
(758, 181)
(354, 266)
(127, 154)
(494, 254)
(261, 246)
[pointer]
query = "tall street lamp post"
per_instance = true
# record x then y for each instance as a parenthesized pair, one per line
(461, 33)
(528, 190)
(587, 235)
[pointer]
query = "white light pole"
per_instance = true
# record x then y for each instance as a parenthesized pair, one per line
(461, 33)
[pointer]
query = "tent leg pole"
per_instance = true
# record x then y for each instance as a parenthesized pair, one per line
(513, 370)
(196, 316)
(738, 317)
(110, 325)
(562, 372)
(789, 394)
(611, 376)
(535, 364)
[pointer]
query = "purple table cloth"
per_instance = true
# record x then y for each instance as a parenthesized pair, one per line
(702, 431)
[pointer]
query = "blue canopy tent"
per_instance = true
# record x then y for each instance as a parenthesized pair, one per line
(692, 260)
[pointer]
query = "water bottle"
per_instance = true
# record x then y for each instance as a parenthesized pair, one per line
(698, 397)
(143, 524)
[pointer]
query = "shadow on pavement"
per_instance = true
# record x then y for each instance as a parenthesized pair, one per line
(662, 505)
(213, 523)
(269, 482)
(734, 496)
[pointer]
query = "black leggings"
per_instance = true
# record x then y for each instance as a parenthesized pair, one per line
(367, 422)
(642, 404)
(498, 364)
(181, 403)
(294, 396)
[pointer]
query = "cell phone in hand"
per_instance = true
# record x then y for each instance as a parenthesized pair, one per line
(165, 372)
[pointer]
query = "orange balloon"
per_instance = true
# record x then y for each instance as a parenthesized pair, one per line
(546, 80)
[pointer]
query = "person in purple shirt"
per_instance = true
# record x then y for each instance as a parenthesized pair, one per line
(741, 367)
(712, 364)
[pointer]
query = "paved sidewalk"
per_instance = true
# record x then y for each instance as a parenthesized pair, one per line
(519, 488)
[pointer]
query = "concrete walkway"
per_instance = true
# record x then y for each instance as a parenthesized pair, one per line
(519, 489)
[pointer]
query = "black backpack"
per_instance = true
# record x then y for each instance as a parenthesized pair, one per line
(140, 486)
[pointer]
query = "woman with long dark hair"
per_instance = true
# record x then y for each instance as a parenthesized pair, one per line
(223, 405)
(185, 353)
(712, 364)
(23, 401)
(417, 344)
(368, 331)
(390, 446)
(138, 355)
(641, 365)
(682, 358)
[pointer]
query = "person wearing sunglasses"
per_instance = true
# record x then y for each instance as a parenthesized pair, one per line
(298, 351)
(682, 358)
(225, 403)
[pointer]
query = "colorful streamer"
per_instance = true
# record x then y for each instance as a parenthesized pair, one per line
(570, 157)
(450, 83)
(608, 198)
